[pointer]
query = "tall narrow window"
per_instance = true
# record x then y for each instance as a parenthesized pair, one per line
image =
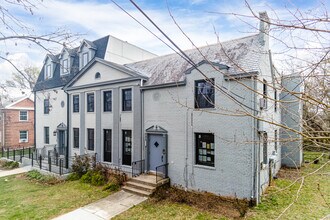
(90, 134)
(90, 102)
(48, 73)
(204, 94)
(127, 147)
(76, 137)
(107, 145)
(275, 102)
(46, 106)
(265, 148)
(75, 99)
(65, 67)
(23, 136)
(275, 140)
(23, 115)
(84, 59)
(205, 149)
(127, 99)
(107, 101)
(46, 135)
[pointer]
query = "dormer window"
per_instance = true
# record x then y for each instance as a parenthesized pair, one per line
(84, 59)
(48, 73)
(65, 66)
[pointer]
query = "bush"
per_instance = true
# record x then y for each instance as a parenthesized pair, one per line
(87, 177)
(80, 165)
(73, 177)
(40, 178)
(111, 186)
(98, 179)
(9, 164)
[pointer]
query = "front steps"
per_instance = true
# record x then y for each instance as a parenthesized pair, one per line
(144, 185)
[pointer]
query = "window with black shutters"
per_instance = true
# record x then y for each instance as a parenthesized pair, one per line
(76, 137)
(127, 99)
(46, 133)
(75, 99)
(90, 138)
(127, 147)
(204, 94)
(90, 102)
(205, 149)
(46, 106)
(107, 101)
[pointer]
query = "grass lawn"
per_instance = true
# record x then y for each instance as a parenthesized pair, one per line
(24, 199)
(313, 201)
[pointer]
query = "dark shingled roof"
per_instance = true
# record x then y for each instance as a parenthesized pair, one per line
(240, 55)
(60, 81)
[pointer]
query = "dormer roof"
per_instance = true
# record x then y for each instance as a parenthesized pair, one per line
(53, 58)
(71, 52)
(88, 43)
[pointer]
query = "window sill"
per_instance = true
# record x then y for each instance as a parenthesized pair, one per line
(126, 111)
(204, 167)
(107, 112)
(211, 108)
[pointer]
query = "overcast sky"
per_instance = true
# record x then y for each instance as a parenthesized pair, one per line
(202, 20)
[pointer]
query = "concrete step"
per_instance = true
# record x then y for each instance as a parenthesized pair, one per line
(141, 186)
(137, 191)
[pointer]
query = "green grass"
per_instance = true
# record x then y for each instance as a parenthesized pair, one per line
(24, 199)
(313, 201)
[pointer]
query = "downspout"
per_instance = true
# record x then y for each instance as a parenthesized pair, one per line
(67, 130)
(142, 125)
(3, 129)
(35, 119)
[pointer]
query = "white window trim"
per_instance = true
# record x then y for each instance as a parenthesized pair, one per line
(65, 69)
(26, 140)
(82, 59)
(121, 100)
(27, 115)
(48, 72)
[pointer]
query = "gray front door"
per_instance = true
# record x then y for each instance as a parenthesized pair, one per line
(157, 151)
(61, 142)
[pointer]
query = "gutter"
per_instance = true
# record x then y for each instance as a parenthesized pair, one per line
(35, 119)
(165, 85)
(67, 130)
(142, 127)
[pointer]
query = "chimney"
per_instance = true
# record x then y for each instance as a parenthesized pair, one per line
(264, 28)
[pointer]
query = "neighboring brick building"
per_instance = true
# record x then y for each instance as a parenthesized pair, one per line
(17, 123)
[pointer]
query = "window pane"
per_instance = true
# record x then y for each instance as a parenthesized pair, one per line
(127, 99)
(127, 147)
(46, 106)
(75, 103)
(23, 116)
(85, 59)
(90, 102)
(65, 66)
(23, 135)
(107, 101)
(90, 133)
(76, 137)
(46, 133)
(205, 149)
(204, 94)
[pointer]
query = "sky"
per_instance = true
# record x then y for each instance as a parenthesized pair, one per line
(204, 21)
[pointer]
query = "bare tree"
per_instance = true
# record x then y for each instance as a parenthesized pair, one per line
(24, 79)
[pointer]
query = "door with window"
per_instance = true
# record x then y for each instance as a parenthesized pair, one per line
(107, 145)
(127, 147)
(61, 142)
(157, 150)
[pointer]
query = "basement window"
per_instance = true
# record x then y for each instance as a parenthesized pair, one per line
(205, 149)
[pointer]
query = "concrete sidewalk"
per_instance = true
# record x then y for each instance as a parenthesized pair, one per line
(4, 173)
(106, 208)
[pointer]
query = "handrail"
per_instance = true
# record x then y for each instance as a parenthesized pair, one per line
(137, 167)
(161, 172)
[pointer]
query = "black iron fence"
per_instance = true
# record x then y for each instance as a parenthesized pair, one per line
(17, 154)
(137, 167)
(161, 172)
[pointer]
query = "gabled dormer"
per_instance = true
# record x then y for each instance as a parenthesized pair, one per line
(86, 52)
(66, 60)
(49, 66)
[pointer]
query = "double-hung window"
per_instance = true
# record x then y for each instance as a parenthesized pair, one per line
(107, 101)
(65, 67)
(127, 99)
(90, 138)
(75, 99)
(90, 102)
(84, 59)
(75, 137)
(204, 93)
(23, 136)
(48, 72)
(23, 115)
(46, 135)
(46, 106)
(205, 149)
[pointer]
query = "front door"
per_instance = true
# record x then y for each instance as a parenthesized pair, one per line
(61, 142)
(157, 151)
(107, 145)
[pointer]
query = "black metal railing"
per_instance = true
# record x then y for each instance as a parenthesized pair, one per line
(17, 154)
(161, 172)
(137, 167)
(50, 163)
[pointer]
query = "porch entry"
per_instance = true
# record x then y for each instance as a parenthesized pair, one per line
(61, 139)
(107, 145)
(157, 151)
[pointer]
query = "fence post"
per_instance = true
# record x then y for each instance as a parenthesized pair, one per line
(49, 164)
(61, 164)
(7, 153)
(23, 151)
(14, 155)
(32, 160)
(30, 153)
(2, 151)
(40, 161)
(56, 158)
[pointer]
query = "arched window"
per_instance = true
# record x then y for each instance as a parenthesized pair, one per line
(97, 75)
